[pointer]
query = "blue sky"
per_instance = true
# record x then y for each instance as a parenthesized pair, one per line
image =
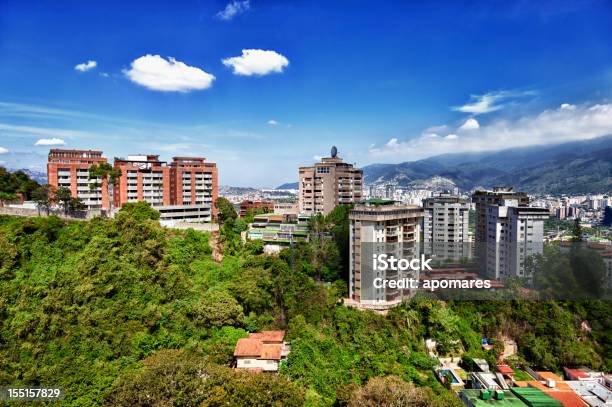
(261, 87)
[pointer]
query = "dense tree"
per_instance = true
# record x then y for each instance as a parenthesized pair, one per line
(391, 391)
(122, 311)
(63, 196)
(607, 219)
(577, 231)
(225, 210)
(43, 196)
(104, 175)
(17, 182)
(174, 377)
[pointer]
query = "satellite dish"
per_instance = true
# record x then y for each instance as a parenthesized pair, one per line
(334, 152)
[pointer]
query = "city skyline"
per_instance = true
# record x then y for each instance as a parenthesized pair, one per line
(241, 80)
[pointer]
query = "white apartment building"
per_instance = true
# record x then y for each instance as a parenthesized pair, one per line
(513, 233)
(445, 227)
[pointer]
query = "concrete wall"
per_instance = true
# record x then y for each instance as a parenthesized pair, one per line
(28, 212)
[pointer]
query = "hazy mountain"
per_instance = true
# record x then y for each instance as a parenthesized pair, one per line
(38, 176)
(581, 166)
(288, 185)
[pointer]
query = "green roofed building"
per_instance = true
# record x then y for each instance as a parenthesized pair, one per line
(534, 397)
(481, 397)
(278, 231)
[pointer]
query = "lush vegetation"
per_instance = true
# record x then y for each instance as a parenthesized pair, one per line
(124, 312)
(13, 183)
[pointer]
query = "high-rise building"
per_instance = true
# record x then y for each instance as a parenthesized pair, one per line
(513, 234)
(70, 169)
(193, 181)
(143, 178)
(184, 189)
(483, 199)
(381, 227)
(445, 227)
(328, 183)
(508, 231)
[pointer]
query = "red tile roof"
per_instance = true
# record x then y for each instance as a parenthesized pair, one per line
(266, 345)
(269, 336)
(270, 352)
(248, 347)
(505, 369)
(577, 373)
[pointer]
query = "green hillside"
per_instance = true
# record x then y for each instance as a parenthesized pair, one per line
(125, 312)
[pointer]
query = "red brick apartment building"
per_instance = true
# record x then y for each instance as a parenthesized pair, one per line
(70, 169)
(184, 189)
(193, 181)
(187, 187)
(143, 178)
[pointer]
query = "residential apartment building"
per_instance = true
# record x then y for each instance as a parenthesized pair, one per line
(184, 189)
(483, 199)
(446, 227)
(513, 234)
(70, 169)
(194, 183)
(328, 183)
(378, 227)
(143, 178)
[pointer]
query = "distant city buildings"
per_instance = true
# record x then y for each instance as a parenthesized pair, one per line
(381, 226)
(328, 183)
(70, 169)
(446, 227)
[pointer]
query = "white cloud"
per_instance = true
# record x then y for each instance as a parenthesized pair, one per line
(50, 142)
(233, 8)
(567, 106)
(469, 124)
(490, 102)
(3, 150)
(582, 122)
(272, 122)
(317, 157)
(167, 75)
(86, 66)
(257, 62)
(104, 74)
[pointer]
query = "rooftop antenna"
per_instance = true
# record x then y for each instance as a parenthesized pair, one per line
(334, 151)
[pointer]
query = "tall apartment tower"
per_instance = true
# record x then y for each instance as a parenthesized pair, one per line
(445, 227)
(329, 183)
(381, 227)
(193, 181)
(513, 234)
(70, 169)
(143, 178)
(483, 199)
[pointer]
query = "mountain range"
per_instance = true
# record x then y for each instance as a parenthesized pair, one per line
(572, 168)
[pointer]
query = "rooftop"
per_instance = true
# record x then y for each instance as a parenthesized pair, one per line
(478, 398)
